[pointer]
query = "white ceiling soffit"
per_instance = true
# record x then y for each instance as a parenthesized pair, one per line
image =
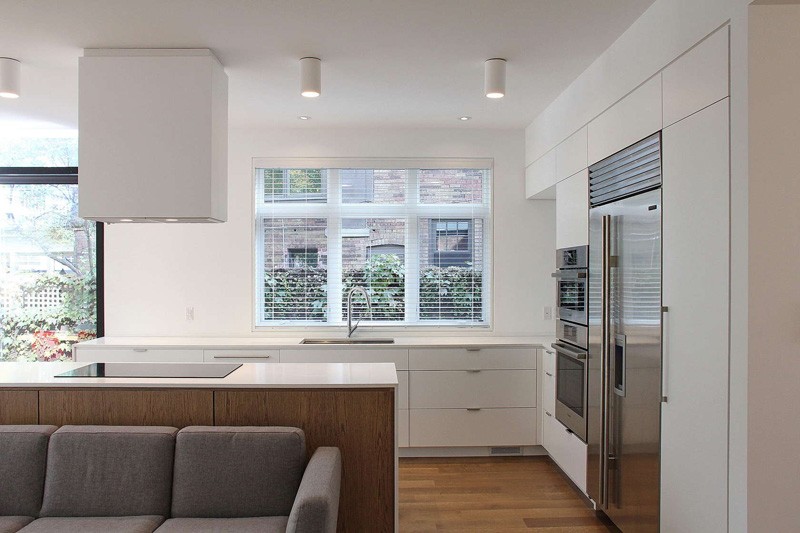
(410, 63)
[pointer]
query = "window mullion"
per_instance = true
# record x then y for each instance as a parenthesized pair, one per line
(334, 247)
(412, 248)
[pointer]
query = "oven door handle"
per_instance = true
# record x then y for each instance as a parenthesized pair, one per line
(569, 274)
(561, 348)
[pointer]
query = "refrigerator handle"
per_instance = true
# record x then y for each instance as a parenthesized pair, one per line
(664, 354)
(605, 299)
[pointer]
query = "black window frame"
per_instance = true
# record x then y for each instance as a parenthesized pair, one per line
(448, 258)
(64, 176)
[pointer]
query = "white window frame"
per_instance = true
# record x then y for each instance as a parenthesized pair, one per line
(333, 210)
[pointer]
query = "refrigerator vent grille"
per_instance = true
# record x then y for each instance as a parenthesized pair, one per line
(630, 171)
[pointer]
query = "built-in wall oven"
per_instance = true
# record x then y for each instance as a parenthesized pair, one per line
(572, 330)
(572, 283)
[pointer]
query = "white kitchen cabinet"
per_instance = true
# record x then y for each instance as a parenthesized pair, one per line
(137, 355)
(697, 79)
(541, 174)
(567, 450)
(572, 155)
(398, 356)
(490, 358)
(241, 355)
(154, 135)
(572, 210)
(466, 388)
(402, 428)
(630, 120)
(696, 251)
(472, 427)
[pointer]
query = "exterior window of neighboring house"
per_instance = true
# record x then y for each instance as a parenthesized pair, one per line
(415, 234)
(451, 243)
(51, 264)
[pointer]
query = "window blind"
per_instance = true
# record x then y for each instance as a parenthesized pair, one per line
(416, 238)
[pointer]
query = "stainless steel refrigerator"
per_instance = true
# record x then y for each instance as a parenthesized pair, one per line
(624, 375)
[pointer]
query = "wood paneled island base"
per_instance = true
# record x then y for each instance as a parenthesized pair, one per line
(359, 421)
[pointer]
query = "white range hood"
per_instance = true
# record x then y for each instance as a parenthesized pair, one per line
(153, 136)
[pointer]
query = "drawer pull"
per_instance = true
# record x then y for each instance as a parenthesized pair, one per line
(242, 356)
(473, 349)
(473, 370)
(549, 374)
(547, 413)
(473, 408)
(140, 349)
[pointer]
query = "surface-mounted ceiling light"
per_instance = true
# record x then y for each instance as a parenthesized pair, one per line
(494, 81)
(310, 77)
(465, 118)
(171, 219)
(9, 77)
(304, 117)
(126, 220)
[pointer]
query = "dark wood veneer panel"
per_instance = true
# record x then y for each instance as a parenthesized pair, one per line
(360, 422)
(127, 407)
(19, 407)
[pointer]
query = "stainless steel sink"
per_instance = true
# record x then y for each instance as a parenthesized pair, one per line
(347, 341)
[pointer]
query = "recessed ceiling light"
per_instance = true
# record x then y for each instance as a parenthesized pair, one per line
(310, 77)
(465, 118)
(304, 117)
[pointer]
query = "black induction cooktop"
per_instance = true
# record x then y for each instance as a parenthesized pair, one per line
(152, 370)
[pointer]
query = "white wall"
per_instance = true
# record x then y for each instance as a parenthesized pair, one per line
(153, 272)
(774, 444)
(668, 29)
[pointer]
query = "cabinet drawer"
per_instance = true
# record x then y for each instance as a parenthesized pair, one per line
(462, 427)
(472, 358)
(136, 355)
(567, 450)
(402, 389)
(402, 428)
(464, 388)
(241, 356)
(346, 355)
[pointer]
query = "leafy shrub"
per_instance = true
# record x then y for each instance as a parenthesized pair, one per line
(446, 293)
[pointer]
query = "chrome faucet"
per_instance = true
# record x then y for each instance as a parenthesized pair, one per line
(350, 327)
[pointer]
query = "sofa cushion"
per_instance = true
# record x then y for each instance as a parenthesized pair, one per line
(265, 524)
(12, 524)
(237, 472)
(109, 471)
(23, 456)
(117, 524)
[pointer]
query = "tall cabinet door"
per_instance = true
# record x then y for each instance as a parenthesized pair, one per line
(696, 230)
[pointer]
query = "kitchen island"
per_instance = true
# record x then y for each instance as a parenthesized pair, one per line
(347, 405)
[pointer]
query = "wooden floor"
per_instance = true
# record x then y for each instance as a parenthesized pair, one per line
(492, 495)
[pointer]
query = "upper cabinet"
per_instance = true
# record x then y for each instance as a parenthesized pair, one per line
(153, 136)
(572, 211)
(630, 120)
(572, 155)
(541, 175)
(697, 79)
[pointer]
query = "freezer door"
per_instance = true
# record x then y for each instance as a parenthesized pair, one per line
(625, 387)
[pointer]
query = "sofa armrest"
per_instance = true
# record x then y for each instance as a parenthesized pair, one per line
(316, 506)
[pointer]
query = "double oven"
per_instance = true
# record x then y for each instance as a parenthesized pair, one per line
(572, 331)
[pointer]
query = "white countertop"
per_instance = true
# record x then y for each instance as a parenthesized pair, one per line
(249, 375)
(278, 343)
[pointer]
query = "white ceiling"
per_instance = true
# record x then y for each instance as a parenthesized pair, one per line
(385, 62)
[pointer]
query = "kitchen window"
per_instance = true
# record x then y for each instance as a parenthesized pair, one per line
(415, 234)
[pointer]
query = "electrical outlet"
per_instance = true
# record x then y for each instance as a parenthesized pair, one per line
(548, 312)
(190, 313)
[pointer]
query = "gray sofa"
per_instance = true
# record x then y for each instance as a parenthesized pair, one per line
(142, 479)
